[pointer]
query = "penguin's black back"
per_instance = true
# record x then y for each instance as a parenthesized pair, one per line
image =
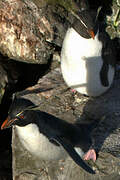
(52, 126)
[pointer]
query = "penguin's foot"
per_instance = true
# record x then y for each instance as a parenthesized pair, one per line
(91, 154)
(73, 91)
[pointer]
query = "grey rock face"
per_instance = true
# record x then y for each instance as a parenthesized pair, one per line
(54, 97)
(26, 33)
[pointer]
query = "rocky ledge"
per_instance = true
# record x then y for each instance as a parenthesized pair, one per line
(54, 97)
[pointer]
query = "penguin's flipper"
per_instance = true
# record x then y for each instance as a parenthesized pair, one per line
(73, 154)
(104, 74)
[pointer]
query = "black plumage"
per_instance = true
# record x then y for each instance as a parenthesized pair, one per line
(60, 133)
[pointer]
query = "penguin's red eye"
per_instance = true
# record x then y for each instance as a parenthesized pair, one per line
(21, 117)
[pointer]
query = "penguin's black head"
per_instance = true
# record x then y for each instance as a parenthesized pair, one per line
(86, 23)
(20, 113)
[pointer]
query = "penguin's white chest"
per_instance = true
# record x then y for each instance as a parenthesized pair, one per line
(38, 145)
(81, 63)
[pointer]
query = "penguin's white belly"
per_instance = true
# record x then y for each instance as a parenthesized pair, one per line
(38, 145)
(81, 63)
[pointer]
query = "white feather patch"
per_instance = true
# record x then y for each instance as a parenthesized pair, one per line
(81, 63)
(38, 145)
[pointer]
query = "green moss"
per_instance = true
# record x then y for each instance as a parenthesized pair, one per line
(1, 93)
(116, 19)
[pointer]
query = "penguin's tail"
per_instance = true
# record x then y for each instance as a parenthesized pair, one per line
(89, 126)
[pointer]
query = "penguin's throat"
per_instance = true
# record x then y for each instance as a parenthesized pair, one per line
(78, 48)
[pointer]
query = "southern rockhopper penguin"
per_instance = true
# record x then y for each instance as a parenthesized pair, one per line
(87, 56)
(48, 137)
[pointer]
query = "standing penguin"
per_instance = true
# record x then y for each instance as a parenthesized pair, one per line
(87, 56)
(46, 136)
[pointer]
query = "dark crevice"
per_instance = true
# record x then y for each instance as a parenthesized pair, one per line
(19, 75)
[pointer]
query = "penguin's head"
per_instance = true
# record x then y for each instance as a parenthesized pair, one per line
(86, 23)
(20, 113)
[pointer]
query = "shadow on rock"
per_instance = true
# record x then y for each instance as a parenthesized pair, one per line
(106, 111)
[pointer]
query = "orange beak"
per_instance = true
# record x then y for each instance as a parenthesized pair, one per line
(92, 34)
(7, 123)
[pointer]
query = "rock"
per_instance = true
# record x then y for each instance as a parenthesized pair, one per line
(113, 21)
(53, 96)
(3, 81)
(30, 31)
(5, 165)
(27, 33)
